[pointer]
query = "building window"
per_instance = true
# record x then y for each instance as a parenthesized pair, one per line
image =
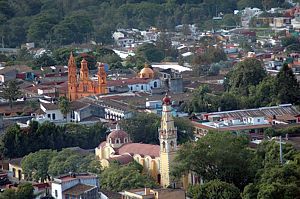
(85, 88)
(164, 146)
(142, 87)
(258, 120)
(172, 145)
(131, 88)
(14, 172)
(53, 116)
(49, 115)
(155, 85)
(56, 194)
(147, 165)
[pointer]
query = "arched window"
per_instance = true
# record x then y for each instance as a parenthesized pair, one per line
(172, 145)
(155, 84)
(147, 163)
(164, 146)
(85, 88)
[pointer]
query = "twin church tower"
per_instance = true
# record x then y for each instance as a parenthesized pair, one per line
(84, 86)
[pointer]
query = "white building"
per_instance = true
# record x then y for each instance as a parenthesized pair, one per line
(75, 186)
(78, 112)
(51, 112)
(134, 85)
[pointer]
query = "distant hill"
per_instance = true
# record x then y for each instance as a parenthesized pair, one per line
(67, 21)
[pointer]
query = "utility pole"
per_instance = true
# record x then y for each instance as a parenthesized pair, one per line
(280, 150)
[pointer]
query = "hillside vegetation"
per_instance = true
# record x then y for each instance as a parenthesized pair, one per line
(61, 22)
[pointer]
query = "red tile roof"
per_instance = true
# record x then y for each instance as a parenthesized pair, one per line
(79, 189)
(122, 159)
(141, 149)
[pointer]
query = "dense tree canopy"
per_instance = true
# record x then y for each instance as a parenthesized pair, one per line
(222, 156)
(65, 22)
(11, 91)
(246, 73)
(287, 86)
(214, 189)
(143, 127)
(275, 180)
(43, 164)
(16, 142)
(24, 191)
(118, 178)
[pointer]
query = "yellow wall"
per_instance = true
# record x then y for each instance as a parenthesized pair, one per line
(166, 159)
(15, 169)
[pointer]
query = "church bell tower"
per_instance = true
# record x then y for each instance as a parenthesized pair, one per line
(168, 143)
(102, 79)
(72, 78)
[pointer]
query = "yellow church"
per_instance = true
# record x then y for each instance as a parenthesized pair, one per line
(155, 159)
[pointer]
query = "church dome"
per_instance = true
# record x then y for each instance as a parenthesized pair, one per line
(167, 100)
(117, 137)
(146, 72)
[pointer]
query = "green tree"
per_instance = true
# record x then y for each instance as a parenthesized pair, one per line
(64, 106)
(185, 130)
(35, 165)
(222, 156)
(264, 94)
(44, 60)
(212, 55)
(118, 178)
(16, 142)
(69, 160)
(275, 180)
(214, 189)
(241, 4)
(44, 164)
(25, 191)
(61, 55)
(143, 127)
(8, 194)
(286, 41)
(150, 52)
(10, 140)
(76, 27)
(39, 29)
(249, 72)
(89, 57)
(11, 91)
(231, 20)
(287, 87)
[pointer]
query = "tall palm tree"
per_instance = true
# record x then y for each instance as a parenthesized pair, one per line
(64, 106)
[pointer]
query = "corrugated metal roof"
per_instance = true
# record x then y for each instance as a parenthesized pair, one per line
(285, 109)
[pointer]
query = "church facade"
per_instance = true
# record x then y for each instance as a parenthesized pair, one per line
(83, 86)
(156, 160)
